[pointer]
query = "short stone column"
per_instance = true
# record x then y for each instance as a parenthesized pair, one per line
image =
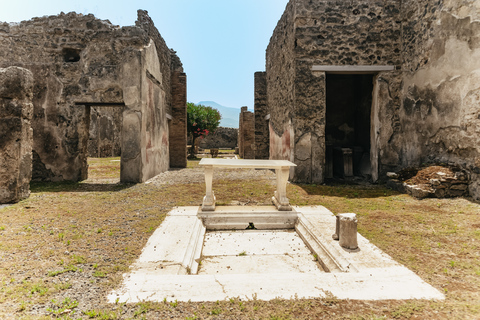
(346, 230)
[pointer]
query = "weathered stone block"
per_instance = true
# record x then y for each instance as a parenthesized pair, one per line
(417, 192)
(440, 193)
(16, 137)
(461, 187)
(17, 83)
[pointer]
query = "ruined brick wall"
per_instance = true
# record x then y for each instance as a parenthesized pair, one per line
(262, 143)
(440, 117)
(240, 130)
(16, 135)
(79, 61)
(105, 135)
(246, 134)
(225, 138)
(178, 123)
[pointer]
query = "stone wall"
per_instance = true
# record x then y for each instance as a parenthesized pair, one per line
(440, 118)
(225, 138)
(80, 62)
(105, 132)
(262, 143)
(246, 134)
(362, 32)
(178, 123)
(280, 79)
(313, 33)
(425, 110)
(16, 137)
(167, 58)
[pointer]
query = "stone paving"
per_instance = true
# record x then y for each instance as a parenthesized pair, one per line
(185, 262)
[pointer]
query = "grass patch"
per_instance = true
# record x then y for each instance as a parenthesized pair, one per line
(47, 239)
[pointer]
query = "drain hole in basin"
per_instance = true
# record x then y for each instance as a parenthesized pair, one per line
(251, 226)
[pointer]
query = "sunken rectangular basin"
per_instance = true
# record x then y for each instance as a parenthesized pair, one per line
(197, 256)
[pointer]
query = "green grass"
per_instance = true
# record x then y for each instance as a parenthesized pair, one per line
(54, 234)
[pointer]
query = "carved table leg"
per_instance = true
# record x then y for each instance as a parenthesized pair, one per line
(209, 199)
(280, 199)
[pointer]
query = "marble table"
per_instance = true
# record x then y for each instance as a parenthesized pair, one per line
(282, 169)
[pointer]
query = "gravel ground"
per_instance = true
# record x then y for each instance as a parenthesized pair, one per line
(196, 175)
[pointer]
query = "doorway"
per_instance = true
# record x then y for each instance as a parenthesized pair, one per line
(105, 123)
(348, 125)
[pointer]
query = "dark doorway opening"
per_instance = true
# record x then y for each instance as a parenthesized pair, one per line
(348, 125)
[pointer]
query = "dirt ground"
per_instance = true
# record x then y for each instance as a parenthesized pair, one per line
(67, 246)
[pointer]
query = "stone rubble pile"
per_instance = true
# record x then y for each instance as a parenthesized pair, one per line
(443, 185)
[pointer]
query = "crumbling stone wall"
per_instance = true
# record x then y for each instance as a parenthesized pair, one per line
(280, 79)
(225, 138)
(105, 132)
(439, 116)
(178, 123)
(423, 111)
(323, 32)
(80, 62)
(16, 137)
(246, 134)
(262, 144)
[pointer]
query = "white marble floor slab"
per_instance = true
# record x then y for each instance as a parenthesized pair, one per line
(264, 270)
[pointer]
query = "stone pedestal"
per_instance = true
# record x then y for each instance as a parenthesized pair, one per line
(343, 162)
(347, 230)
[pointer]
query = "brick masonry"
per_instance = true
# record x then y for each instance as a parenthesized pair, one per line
(178, 123)
(246, 134)
(262, 143)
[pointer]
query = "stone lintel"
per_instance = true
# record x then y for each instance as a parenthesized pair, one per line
(338, 69)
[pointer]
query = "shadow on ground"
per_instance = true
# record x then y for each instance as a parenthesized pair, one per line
(339, 189)
(77, 187)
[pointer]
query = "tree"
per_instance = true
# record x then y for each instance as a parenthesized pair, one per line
(201, 120)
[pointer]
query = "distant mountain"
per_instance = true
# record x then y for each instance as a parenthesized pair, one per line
(230, 116)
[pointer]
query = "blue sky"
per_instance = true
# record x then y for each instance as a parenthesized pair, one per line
(220, 42)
